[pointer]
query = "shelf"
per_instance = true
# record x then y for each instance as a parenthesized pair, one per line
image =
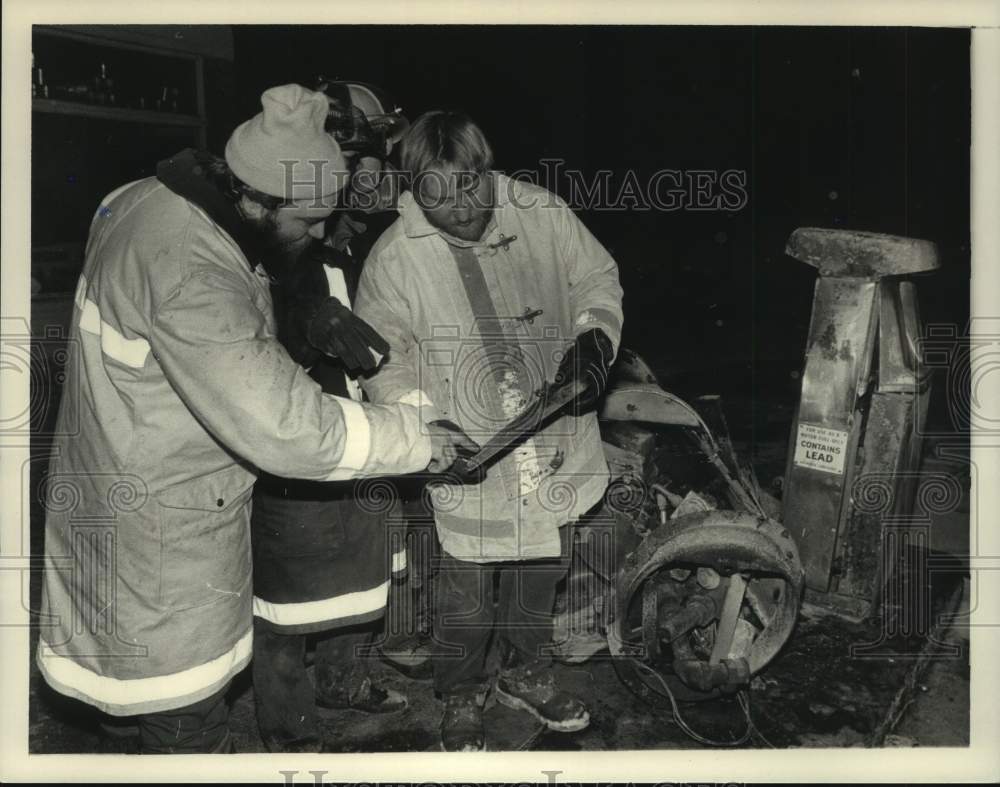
(176, 40)
(56, 107)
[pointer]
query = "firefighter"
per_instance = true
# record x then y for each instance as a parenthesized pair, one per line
(177, 392)
(486, 288)
(323, 552)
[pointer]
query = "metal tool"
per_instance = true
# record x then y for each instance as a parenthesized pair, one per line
(549, 399)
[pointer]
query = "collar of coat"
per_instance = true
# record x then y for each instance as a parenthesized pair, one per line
(183, 175)
(415, 224)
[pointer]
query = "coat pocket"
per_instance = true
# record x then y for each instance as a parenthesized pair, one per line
(205, 539)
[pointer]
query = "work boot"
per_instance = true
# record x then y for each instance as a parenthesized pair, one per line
(532, 688)
(462, 722)
(369, 698)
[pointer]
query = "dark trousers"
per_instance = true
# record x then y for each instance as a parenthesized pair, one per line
(199, 728)
(466, 617)
(284, 696)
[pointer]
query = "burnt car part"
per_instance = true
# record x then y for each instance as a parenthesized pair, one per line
(707, 600)
(704, 585)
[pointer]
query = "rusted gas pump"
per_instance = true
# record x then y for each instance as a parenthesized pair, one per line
(856, 437)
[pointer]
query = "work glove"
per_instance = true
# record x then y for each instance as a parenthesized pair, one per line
(587, 359)
(335, 330)
(448, 443)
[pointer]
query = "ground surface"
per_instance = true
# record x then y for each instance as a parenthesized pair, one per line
(815, 694)
(877, 683)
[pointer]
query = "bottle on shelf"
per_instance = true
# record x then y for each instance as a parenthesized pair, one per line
(39, 89)
(97, 92)
(109, 86)
(104, 87)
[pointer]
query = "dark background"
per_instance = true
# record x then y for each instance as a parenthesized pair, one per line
(862, 128)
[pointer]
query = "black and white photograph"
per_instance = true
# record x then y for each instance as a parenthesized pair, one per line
(437, 389)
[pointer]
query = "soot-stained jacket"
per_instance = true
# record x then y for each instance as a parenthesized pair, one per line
(176, 393)
(476, 328)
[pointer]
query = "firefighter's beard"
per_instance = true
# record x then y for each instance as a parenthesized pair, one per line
(276, 254)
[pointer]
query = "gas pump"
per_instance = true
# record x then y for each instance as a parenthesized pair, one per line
(856, 438)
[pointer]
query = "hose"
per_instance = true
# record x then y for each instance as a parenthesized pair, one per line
(688, 730)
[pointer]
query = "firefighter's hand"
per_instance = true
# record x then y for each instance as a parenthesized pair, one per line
(338, 332)
(448, 442)
(587, 359)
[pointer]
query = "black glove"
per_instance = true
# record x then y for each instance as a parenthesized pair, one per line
(587, 359)
(336, 331)
(448, 443)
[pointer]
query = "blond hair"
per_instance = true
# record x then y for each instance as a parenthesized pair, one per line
(443, 138)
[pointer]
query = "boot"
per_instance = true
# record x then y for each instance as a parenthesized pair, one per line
(462, 722)
(532, 688)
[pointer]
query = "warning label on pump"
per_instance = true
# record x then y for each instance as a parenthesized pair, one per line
(820, 448)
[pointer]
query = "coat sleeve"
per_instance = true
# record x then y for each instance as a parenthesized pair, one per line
(213, 345)
(398, 378)
(595, 293)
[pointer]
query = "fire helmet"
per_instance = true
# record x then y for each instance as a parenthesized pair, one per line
(363, 117)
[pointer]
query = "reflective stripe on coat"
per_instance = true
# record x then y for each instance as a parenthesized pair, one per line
(176, 391)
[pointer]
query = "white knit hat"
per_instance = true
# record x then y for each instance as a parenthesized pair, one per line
(284, 151)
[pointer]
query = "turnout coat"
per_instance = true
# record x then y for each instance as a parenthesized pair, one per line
(475, 328)
(176, 392)
(323, 552)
